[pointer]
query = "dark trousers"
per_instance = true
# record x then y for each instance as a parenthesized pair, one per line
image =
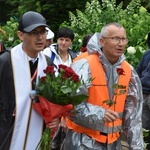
(146, 117)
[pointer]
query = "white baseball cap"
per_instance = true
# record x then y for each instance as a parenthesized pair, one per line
(50, 34)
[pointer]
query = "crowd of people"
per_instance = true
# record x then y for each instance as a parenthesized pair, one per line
(107, 111)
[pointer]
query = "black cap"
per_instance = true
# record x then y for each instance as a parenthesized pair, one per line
(31, 20)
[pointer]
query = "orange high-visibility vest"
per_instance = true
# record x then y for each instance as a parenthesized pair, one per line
(82, 55)
(98, 92)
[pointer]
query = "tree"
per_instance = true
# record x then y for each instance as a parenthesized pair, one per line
(89, 18)
(134, 18)
(55, 11)
(3, 12)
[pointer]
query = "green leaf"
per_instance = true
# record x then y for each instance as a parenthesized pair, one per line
(109, 102)
(66, 89)
(75, 100)
(122, 91)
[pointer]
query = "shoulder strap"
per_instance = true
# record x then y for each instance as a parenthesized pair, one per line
(52, 56)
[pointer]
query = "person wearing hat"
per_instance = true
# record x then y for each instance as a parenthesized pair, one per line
(21, 126)
(49, 37)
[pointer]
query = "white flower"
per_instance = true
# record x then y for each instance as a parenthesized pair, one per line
(80, 41)
(11, 38)
(131, 50)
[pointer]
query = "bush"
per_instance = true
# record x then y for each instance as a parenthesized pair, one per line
(134, 18)
(9, 33)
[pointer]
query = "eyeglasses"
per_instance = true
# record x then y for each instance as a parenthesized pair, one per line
(117, 39)
(36, 33)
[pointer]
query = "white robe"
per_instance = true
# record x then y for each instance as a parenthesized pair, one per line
(28, 123)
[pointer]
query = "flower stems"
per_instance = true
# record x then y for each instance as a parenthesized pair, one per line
(45, 142)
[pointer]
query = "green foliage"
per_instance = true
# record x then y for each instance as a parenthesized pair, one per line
(45, 142)
(146, 133)
(23, 6)
(55, 11)
(134, 18)
(9, 33)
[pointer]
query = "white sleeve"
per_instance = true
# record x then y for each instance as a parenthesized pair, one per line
(47, 51)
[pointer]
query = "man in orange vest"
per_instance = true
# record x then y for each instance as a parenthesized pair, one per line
(115, 96)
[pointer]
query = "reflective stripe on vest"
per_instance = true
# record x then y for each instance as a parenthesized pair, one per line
(98, 92)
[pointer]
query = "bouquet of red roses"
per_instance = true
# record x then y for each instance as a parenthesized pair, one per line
(57, 96)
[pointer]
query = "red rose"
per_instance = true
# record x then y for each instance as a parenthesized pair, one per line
(62, 67)
(49, 70)
(69, 73)
(120, 71)
(75, 78)
(83, 49)
(43, 79)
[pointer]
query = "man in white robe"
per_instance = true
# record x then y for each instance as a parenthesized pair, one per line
(21, 126)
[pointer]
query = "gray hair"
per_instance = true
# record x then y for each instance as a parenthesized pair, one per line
(104, 29)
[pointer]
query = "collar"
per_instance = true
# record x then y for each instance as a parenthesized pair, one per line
(33, 59)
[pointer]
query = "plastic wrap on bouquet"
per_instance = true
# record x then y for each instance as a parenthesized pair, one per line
(50, 111)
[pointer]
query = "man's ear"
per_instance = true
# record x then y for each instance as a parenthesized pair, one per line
(101, 40)
(20, 35)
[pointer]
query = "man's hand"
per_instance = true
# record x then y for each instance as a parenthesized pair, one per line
(110, 116)
(53, 124)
